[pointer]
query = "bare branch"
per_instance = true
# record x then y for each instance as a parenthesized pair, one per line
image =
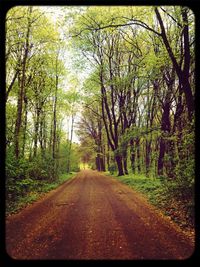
(171, 17)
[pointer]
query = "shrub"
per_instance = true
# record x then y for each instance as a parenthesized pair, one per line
(42, 168)
(23, 175)
(112, 168)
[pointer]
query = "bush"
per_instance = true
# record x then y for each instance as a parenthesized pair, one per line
(16, 171)
(112, 168)
(15, 168)
(23, 175)
(42, 168)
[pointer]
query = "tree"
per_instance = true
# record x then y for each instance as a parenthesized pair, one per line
(141, 63)
(35, 103)
(182, 73)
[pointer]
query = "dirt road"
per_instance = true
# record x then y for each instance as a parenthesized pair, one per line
(94, 217)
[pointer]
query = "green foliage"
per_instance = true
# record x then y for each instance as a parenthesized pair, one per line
(23, 175)
(12, 167)
(149, 186)
(25, 179)
(64, 156)
(112, 168)
(16, 180)
(33, 39)
(26, 191)
(185, 169)
(42, 168)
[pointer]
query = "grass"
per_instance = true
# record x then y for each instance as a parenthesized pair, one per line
(151, 187)
(157, 192)
(39, 188)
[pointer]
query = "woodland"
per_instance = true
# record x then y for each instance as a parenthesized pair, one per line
(103, 87)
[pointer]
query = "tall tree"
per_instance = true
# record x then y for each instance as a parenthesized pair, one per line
(22, 81)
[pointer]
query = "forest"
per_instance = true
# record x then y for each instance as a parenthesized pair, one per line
(103, 87)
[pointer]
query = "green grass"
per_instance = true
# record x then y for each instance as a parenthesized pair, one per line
(153, 188)
(39, 188)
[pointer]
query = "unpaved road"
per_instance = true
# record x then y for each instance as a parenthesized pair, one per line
(94, 217)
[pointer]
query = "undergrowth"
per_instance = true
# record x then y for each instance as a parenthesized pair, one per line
(34, 190)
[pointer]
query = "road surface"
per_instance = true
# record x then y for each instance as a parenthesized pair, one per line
(94, 216)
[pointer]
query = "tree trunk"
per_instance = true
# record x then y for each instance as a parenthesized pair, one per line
(118, 160)
(108, 156)
(125, 160)
(103, 158)
(51, 137)
(183, 75)
(147, 157)
(70, 144)
(41, 134)
(165, 127)
(36, 132)
(102, 164)
(98, 163)
(55, 118)
(19, 114)
(12, 83)
(161, 157)
(22, 80)
(25, 124)
(171, 164)
(132, 155)
(138, 154)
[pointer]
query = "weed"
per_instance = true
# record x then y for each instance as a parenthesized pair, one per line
(33, 192)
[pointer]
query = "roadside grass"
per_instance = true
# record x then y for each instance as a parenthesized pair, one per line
(160, 193)
(150, 187)
(38, 189)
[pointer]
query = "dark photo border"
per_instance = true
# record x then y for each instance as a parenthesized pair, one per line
(5, 260)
